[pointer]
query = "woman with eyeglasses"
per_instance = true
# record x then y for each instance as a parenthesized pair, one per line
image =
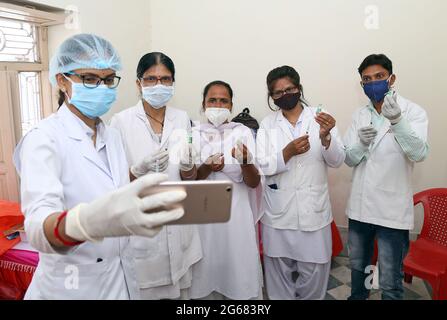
(79, 206)
(155, 139)
(295, 146)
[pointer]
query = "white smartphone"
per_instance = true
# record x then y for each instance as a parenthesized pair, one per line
(206, 201)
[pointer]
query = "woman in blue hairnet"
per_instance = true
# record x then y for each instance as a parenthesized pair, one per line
(79, 206)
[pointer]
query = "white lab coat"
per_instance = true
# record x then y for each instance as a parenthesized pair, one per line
(164, 261)
(60, 168)
(224, 245)
(301, 201)
(382, 192)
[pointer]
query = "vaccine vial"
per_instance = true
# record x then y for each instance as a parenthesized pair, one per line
(319, 109)
(391, 93)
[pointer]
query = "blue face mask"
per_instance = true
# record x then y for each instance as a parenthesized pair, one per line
(377, 90)
(92, 103)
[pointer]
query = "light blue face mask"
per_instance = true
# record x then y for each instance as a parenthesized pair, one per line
(92, 103)
(158, 96)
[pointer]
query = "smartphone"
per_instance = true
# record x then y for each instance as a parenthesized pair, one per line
(206, 201)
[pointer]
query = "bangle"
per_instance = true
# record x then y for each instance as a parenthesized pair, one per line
(58, 235)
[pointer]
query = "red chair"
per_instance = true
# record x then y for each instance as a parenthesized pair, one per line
(427, 257)
(337, 243)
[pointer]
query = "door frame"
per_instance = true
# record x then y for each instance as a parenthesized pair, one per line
(11, 109)
(9, 184)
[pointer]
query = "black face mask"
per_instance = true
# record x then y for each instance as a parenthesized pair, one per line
(288, 101)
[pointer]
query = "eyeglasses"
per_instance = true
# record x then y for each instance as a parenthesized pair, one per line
(281, 93)
(91, 81)
(152, 81)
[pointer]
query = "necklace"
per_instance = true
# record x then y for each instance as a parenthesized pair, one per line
(160, 122)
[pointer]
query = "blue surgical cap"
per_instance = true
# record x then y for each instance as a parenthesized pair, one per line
(84, 51)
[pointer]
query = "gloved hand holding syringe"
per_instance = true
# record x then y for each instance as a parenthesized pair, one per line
(157, 162)
(390, 110)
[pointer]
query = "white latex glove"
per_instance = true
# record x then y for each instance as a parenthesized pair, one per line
(391, 109)
(124, 212)
(367, 135)
(188, 157)
(158, 162)
(239, 154)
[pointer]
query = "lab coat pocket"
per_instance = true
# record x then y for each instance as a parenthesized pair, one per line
(389, 178)
(78, 281)
(314, 207)
(143, 247)
(152, 263)
(320, 198)
(392, 206)
(278, 201)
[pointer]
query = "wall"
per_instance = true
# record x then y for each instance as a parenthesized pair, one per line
(125, 25)
(326, 40)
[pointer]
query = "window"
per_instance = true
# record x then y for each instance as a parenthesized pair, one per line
(24, 58)
(30, 100)
(18, 41)
(25, 91)
(24, 61)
